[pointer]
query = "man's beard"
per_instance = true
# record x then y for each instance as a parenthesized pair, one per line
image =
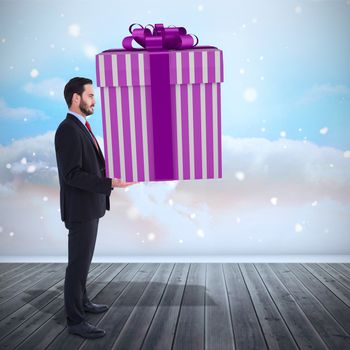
(84, 108)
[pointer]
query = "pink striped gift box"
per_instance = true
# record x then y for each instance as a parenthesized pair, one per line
(161, 113)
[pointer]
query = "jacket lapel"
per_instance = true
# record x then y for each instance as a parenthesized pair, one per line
(88, 135)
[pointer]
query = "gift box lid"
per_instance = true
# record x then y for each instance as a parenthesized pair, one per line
(119, 67)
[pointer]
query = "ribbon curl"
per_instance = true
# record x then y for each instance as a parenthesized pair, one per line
(170, 38)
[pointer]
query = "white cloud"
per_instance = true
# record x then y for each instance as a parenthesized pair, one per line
(318, 91)
(293, 171)
(203, 215)
(287, 169)
(50, 88)
(19, 113)
(39, 168)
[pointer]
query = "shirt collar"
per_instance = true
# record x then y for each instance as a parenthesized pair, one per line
(79, 116)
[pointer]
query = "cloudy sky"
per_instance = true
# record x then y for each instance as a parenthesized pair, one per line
(285, 124)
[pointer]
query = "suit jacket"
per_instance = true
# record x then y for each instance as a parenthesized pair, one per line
(84, 188)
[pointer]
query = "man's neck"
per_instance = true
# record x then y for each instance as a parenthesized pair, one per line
(78, 112)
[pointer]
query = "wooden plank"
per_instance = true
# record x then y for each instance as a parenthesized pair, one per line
(190, 328)
(339, 310)
(330, 282)
(330, 331)
(341, 271)
(25, 335)
(218, 324)
(7, 267)
(13, 321)
(32, 292)
(163, 326)
(246, 327)
(299, 325)
(112, 282)
(276, 332)
(136, 326)
(32, 278)
(114, 320)
(16, 275)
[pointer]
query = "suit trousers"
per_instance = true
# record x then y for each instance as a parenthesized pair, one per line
(81, 246)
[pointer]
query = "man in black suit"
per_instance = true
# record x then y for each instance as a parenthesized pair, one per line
(84, 198)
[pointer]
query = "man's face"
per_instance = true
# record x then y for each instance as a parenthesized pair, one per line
(87, 101)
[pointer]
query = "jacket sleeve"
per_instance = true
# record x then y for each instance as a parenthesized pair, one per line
(69, 161)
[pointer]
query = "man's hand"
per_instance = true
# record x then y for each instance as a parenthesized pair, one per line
(122, 184)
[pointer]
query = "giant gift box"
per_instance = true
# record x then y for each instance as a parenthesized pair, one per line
(161, 107)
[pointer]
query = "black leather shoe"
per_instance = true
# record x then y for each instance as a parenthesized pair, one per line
(95, 308)
(86, 330)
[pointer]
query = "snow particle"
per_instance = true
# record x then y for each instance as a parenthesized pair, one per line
(298, 227)
(193, 216)
(8, 166)
(274, 200)
(52, 93)
(331, 165)
(181, 241)
(347, 154)
(240, 176)
(254, 20)
(11, 234)
(250, 94)
(324, 131)
(74, 30)
(200, 233)
(242, 71)
(137, 233)
(1, 229)
(76, 68)
(262, 78)
(263, 129)
(3, 40)
(200, 8)
(151, 236)
(24, 161)
(45, 199)
(34, 73)
(171, 202)
(314, 203)
(31, 169)
(283, 134)
(238, 219)
(261, 58)
(52, 46)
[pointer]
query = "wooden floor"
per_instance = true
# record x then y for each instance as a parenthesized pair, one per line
(182, 306)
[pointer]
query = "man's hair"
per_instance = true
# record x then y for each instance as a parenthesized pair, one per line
(75, 85)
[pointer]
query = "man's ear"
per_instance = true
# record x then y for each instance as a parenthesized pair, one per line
(75, 98)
